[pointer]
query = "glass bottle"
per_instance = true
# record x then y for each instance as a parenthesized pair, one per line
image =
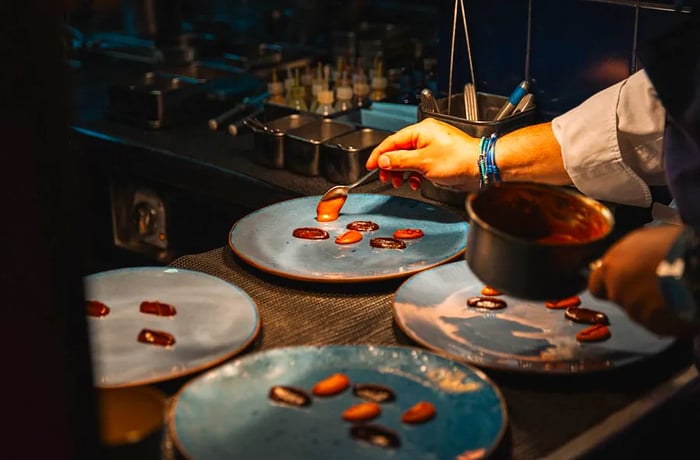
(343, 96)
(276, 90)
(325, 102)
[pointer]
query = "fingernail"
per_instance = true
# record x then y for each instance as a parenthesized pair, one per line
(384, 162)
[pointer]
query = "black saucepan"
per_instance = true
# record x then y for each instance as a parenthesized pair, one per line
(535, 241)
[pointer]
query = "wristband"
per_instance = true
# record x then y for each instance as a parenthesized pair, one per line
(488, 169)
(679, 276)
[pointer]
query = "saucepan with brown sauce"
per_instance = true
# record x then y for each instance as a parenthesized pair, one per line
(535, 241)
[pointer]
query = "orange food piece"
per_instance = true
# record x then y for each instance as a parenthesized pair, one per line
(349, 237)
(594, 333)
(96, 308)
(329, 210)
(561, 304)
(363, 411)
(408, 233)
(489, 291)
(419, 413)
(331, 385)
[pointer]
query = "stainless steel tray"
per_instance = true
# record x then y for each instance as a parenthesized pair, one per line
(303, 145)
(343, 157)
(269, 138)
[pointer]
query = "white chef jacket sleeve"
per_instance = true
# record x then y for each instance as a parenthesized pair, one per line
(612, 142)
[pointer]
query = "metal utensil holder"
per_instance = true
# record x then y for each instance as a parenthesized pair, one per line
(489, 105)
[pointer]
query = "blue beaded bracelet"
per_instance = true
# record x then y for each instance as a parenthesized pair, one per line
(488, 170)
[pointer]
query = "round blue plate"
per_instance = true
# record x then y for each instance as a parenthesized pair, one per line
(264, 239)
(214, 321)
(226, 412)
(431, 307)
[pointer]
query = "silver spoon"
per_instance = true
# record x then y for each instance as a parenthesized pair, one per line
(341, 191)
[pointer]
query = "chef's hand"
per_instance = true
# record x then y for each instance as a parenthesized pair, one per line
(627, 277)
(433, 149)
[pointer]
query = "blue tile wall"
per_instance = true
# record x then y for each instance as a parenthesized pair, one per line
(577, 47)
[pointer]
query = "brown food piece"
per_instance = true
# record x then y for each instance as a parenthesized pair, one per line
(489, 291)
(586, 315)
(329, 210)
(573, 301)
(153, 337)
(387, 243)
(363, 411)
(310, 233)
(408, 233)
(291, 396)
(420, 412)
(363, 226)
(331, 385)
(490, 303)
(376, 435)
(594, 333)
(157, 308)
(349, 237)
(96, 308)
(374, 392)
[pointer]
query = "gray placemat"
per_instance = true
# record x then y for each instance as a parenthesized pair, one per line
(303, 313)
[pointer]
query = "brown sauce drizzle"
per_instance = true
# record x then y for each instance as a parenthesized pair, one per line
(363, 226)
(490, 303)
(586, 315)
(291, 396)
(376, 435)
(157, 308)
(387, 243)
(96, 308)
(153, 337)
(310, 233)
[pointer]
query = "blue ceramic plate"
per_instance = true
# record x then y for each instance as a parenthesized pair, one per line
(214, 320)
(264, 239)
(431, 307)
(226, 412)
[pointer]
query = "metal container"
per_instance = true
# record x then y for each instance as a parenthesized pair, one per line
(535, 241)
(303, 145)
(269, 138)
(489, 105)
(155, 100)
(343, 157)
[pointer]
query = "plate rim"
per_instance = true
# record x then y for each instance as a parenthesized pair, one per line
(503, 406)
(501, 367)
(343, 280)
(191, 370)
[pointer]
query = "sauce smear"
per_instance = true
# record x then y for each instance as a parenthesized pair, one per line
(329, 210)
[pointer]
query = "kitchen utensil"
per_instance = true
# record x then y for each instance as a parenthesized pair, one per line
(343, 158)
(269, 137)
(339, 191)
(303, 145)
(428, 101)
(535, 241)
